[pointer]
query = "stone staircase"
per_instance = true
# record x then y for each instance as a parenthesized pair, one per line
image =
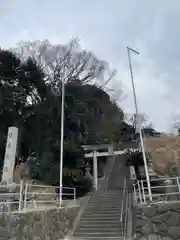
(105, 214)
(101, 218)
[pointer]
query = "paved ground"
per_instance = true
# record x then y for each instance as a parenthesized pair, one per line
(100, 208)
(119, 173)
(102, 183)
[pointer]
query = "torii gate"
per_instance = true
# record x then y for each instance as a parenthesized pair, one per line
(109, 150)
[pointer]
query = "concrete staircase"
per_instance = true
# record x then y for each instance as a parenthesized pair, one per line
(101, 218)
(105, 214)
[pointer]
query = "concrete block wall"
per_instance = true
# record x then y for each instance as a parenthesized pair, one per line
(52, 224)
(160, 221)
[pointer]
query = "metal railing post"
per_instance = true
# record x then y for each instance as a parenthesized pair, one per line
(25, 196)
(124, 189)
(177, 178)
(20, 195)
(135, 196)
(126, 217)
(74, 193)
(143, 193)
(139, 188)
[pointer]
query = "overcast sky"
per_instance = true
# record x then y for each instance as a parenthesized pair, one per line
(106, 27)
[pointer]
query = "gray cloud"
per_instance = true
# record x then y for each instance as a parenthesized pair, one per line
(106, 28)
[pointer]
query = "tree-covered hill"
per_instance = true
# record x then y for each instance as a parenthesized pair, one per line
(30, 98)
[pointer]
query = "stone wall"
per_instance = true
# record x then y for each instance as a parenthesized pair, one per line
(161, 221)
(50, 224)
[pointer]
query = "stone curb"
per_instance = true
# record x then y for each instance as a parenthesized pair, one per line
(80, 213)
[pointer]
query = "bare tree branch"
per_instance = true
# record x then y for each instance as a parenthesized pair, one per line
(80, 64)
(141, 119)
(113, 73)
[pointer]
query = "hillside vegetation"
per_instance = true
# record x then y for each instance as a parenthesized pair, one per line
(30, 98)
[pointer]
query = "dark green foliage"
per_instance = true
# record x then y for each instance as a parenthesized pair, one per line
(136, 159)
(32, 102)
(84, 185)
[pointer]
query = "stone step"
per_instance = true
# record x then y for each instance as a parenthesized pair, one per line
(100, 203)
(104, 203)
(102, 210)
(99, 224)
(106, 200)
(99, 238)
(101, 221)
(107, 195)
(105, 206)
(97, 234)
(100, 229)
(101, 217)
(95, 208)
(108, 192)
(94, 214)
(117, 198)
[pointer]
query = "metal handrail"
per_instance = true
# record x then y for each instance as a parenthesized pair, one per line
(122, 207)
(35, 194)
(140, 191)
(161, 179)
(30, 192)
(126, 217)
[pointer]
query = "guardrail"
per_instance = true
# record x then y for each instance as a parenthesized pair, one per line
(9, 202)
(163, 190)
(40, 196)
(28, 196)
(9, 197)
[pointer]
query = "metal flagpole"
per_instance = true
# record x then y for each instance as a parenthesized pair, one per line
(139, 126)
(62, 142)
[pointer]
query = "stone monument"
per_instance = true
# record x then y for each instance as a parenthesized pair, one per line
(10, 154)
(6, 185)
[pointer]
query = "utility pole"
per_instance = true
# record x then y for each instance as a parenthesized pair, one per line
(62, 142)
(138, 125)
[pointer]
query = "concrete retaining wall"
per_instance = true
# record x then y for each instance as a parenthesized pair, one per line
(158, 222)
(50, 224)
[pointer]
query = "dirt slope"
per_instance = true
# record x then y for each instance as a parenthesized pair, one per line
(165, 152)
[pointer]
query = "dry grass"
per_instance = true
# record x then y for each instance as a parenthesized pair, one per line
(165, 152)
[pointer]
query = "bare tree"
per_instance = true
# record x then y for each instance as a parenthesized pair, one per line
(66, 62)
(141, 119)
